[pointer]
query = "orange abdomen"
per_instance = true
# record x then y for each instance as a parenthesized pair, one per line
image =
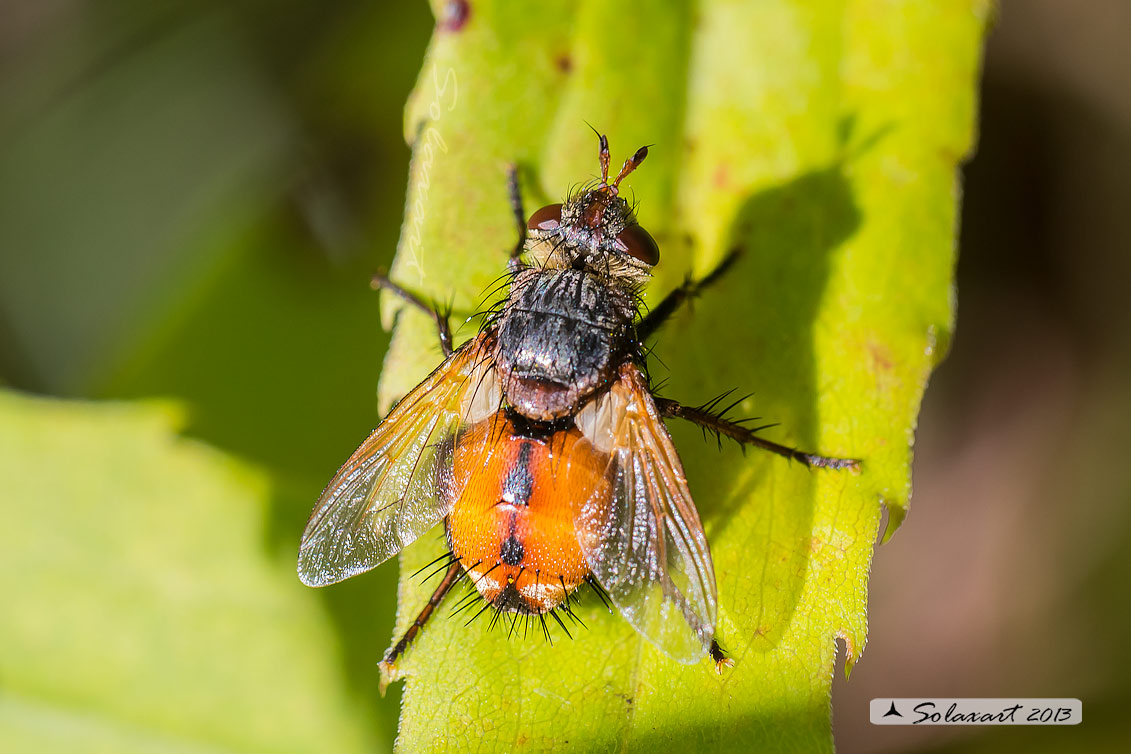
(512, 525)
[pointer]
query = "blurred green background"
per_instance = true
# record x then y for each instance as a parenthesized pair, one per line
(193, 196)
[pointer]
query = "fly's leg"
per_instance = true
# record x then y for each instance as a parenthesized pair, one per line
(519, 217)
(747, 436)
(719, 657)
(651, 322)
(443, 328)
(388, 664)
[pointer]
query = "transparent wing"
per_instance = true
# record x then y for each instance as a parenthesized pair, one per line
(644, 542)
(386, 495)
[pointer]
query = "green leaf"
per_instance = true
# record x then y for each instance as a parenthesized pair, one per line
(822, 139)
(144, 610)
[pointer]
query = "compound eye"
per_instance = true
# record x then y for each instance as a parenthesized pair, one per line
(638, 243)
(547, 218)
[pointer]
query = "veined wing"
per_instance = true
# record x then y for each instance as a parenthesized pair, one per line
(386, 495)
(646, 545)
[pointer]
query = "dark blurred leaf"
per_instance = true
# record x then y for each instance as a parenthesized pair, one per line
(195, 199)
(112, 197)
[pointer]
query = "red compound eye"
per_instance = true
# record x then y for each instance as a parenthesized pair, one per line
(547, 218)
(639, 243)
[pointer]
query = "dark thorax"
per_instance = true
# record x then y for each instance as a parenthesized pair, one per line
(568, 322)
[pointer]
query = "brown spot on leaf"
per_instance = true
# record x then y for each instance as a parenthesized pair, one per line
(564, 62)
(721, 177)
(880, 356)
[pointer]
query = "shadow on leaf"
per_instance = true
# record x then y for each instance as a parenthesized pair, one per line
(753, 332)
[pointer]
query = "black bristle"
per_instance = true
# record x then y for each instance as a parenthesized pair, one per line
(471, 620)
(545, 628)
(446, 557)
(600, 592)
(554, 615)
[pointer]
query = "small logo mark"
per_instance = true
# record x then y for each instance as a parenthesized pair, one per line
(893, 712)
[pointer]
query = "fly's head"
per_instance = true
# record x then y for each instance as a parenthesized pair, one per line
(595, 229)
